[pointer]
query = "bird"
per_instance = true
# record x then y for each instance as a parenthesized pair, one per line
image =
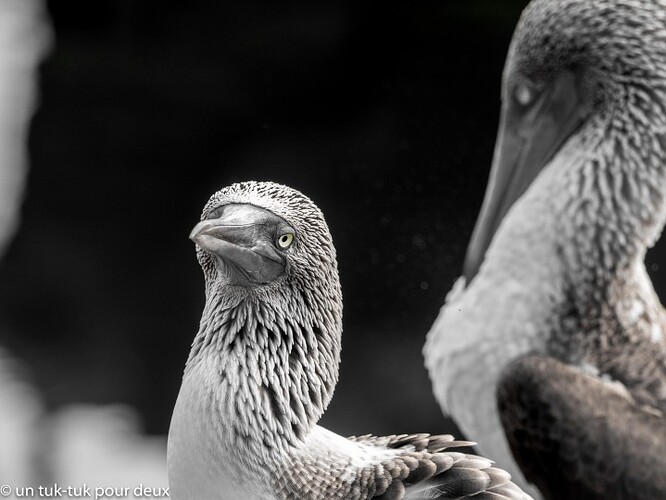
(550, 348)
(264, 364)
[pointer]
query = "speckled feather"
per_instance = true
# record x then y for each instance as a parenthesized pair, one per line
(564, 275)
(418, 466)
(261, 372)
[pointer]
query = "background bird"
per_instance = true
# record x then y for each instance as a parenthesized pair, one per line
(264, 365)
(555, 266)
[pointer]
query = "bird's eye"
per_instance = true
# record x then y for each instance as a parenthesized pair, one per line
(524, 94)
(285, 240)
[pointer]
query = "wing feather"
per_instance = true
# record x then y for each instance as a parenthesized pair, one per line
(577, 436)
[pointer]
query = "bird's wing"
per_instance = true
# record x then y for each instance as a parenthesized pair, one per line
(577, 436)
(428, 470)
(413, 442)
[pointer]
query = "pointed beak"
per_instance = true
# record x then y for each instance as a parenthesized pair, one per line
(527, 141)
(241, 240)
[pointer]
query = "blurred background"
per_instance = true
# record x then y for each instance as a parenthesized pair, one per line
(385, 115)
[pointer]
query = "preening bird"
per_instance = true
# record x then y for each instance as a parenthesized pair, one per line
(264, 365)
(553, 342)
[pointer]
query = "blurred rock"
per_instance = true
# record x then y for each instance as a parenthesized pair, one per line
(24, 38)
(20, 413)
(102, 446)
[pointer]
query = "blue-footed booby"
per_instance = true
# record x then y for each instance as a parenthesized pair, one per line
(553, 342)
(264, 365)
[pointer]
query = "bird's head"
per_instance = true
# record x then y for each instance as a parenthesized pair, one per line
(261, 235)
(595, 70)
(582, 57)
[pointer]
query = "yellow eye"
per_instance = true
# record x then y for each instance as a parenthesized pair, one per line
(285, 240)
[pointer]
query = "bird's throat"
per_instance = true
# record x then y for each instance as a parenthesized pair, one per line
(269, 372)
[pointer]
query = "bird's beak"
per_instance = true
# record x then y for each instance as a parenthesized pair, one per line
(242, 240)
(527, 140)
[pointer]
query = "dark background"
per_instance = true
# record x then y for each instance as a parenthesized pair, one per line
(385, 115)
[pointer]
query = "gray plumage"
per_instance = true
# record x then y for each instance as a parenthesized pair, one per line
(264, 365)
(555, 266)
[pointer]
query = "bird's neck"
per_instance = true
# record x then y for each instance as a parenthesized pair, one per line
(584, 224)
(580, 231)
(594, 209)
(270, 367)
(608, 197)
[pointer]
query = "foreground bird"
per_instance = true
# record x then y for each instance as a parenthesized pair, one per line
(553, 342)
(264, 365)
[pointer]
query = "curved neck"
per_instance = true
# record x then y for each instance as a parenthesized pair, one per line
(272, 366)
(609, 204)
(589, 216)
